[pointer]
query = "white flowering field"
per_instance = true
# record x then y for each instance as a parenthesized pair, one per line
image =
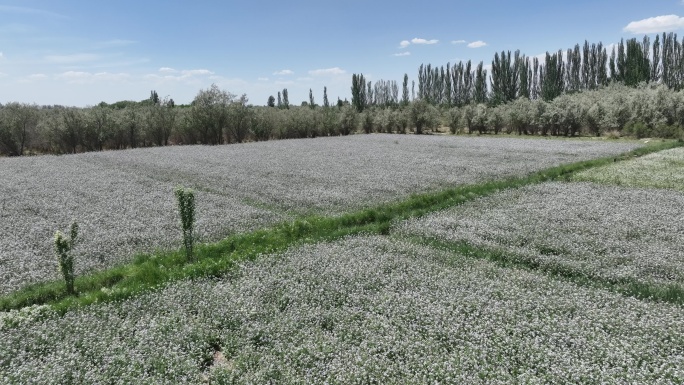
(663, 169)
(359, 310)
(607, 232)
(124, 203)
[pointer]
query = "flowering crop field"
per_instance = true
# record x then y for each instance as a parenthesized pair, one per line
(333, 175)
(359, 310)
(663, 169)
(607, 232)
(124, 203)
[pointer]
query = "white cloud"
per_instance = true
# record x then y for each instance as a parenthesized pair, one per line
(70, 59)
(262, 79)
(171, 74)
(283, 72)
(416, 40)
(87, 77)
(32, 78)
(187, 73)
(458, 42)
(666, 23)
(477, 44)
(327, 71)
(405, 53)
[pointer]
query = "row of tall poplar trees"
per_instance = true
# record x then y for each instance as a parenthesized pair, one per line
(514, 75)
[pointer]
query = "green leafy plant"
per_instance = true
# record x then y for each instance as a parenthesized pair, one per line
(186, 206)
(63, 247)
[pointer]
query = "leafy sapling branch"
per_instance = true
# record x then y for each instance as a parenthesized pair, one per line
(186, 206)
(63, 248)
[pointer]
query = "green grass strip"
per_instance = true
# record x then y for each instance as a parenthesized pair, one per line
(670, 293)
(149, 271)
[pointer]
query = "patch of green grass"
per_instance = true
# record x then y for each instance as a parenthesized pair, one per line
(149, 271)
(664, 169)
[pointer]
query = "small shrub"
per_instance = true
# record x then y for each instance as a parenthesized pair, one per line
(186, 206)
(638, 129)
(667, 131)
(613, 134)
(63, 247)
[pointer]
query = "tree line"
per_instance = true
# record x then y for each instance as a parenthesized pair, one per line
(635, 90)
(214, 117)
(583, 68)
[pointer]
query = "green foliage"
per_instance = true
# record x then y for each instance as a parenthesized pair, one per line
(65, 258)
(286, 99)
(423, 115)
(668, 131)
(552, 78)
(368, 122)
(454, 120)
(186, 207)
(505, 77)
(312, 103)
(18, 124)
(638, 129)
(209, 114)
(358, 92)
(347, 120)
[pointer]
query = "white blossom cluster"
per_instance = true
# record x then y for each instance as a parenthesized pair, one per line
(124, 203)
(663, 169)
(360, 310)
(608, 232)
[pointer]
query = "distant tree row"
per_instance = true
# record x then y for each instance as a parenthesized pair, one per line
(215, 116)
(384, 93)
(637, 90)
(581, 68)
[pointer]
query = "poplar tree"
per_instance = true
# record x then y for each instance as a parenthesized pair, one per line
(358, 91)
(655, 64)
(405, 91)
(480, 94)
(286, 100)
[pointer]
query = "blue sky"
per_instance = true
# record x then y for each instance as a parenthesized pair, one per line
(83, 52)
